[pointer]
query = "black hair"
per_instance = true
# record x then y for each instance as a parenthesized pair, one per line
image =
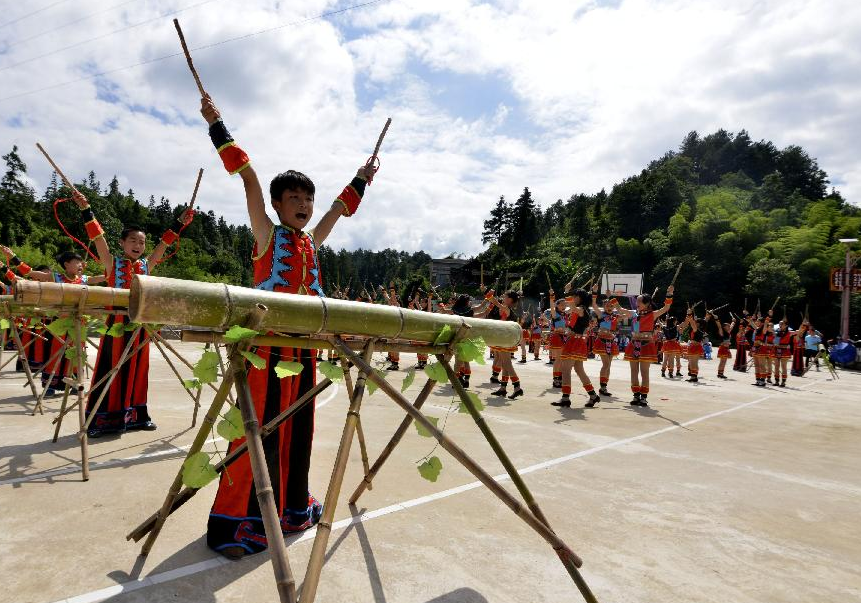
(672, 321)
(42, 268)
(584, 296)
(461, 306)
(514, 295)
(67, 256)
(288, 181)
(130, 228)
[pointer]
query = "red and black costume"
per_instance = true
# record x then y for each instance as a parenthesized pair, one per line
(58, 365)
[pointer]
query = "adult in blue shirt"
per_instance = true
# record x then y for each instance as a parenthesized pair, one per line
(811, 347)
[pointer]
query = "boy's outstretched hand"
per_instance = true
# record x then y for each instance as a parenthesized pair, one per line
(366, 172)
(209, 110)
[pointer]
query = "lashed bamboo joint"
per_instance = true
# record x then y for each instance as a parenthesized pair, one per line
(64, 295)
(173, 301)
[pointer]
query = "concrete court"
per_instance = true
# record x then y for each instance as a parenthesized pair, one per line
(719, 492)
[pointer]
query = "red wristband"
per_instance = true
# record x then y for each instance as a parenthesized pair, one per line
(169, 237)
(233, 157)
(350, 199)
(11, 276)
(24, 269)
(94, 229)
(489, 294)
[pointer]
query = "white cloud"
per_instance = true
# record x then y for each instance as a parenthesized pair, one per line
(601, 88)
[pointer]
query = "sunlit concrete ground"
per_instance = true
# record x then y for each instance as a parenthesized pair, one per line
(719, 492)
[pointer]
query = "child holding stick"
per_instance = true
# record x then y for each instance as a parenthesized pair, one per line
(285, 261)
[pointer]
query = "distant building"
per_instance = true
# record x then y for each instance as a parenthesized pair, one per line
(446, 271)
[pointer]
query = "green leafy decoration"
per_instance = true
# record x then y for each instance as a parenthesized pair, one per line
(71, 354)
(479, 405)
(4, 324)
(132, 326)
(197, 471)
(330, 371)
(192, 383)
(436, 371)
(372, 387)
(444, 336)
(471, 350)
(118, 330)
(236, 334)
(101, 328)
(431, 468)
(231, 427)
(255, 360)
(206, 369)
(287, 368)
(61, 327)
(421, 428)
(408, 380)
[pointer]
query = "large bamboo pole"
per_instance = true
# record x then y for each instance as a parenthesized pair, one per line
(80, 346)
(464, 459)
(215, 305)
(324, 527)
(186, 493)
(263, 487)
(251, 322)
(516, 478)
(39, 293)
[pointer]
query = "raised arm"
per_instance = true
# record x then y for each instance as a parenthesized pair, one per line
(345, 205)
(171, 236)
(668, 302)
(236, 161)
(94, 230)
(23, 268)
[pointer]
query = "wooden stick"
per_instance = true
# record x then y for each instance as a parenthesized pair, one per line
(196, 186)
(188, 58)
(676, 275)
(324, 527)
(516, 478)
(463, 458)
(24, 362)
(251, 322)
(234, 455)
(774, 305)
(263, 485)
(79, 342)
(380, 141)
(57, 169)
(66, 391)
(360, 433)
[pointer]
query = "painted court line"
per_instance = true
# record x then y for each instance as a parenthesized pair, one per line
(130, 459)
(201, 566)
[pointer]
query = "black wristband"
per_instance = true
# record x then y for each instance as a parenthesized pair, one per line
(14, 260)
(219, 135)
(87, 214)
(359, 184)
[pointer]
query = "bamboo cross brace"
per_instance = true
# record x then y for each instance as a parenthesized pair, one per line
(223, 371)
(25, 363)
(284, 580)
(176, 372)
(14, 356)
(182, 359)
(80, 342)
(565, 555)
(113, 375)
(182, 497)
(460, 456)
(251, 322)
(324, 527)
(62, 412)
(360, 433)
(56, 366)
(370, 474)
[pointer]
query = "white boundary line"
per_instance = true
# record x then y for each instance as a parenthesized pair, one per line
(130, 459)
(202, 566)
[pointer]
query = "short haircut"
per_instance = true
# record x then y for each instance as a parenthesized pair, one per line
(68, 256)
(130, 228)
(288, 181)
(513, 295)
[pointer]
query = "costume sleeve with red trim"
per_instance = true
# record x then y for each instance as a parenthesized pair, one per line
(92, 226)
(232, 156)
(352, 195)
(668, 300)
(22, 267)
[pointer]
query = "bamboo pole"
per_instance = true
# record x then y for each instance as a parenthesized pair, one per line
(66, 295)
(25, 363)
(251, 322)
(324, 527)
(80, 343)
(182, 497)
(180, 357)
(516, 478)
(178, 376)
(62, 412)
(370, 474)
(224, 369)
(464, 459)
(360, 433)
(263, 485)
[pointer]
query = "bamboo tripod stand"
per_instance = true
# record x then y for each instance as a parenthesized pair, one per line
(531, 513)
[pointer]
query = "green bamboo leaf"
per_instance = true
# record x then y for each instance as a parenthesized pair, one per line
(431, 468)
(4, 324)
(372, 387)
(197, 471)
(255, 360)
(101, 328)
(471, 350)
(192, 383)
(408, 380)
(118, 330)
(421, 429)
(286, 368)
(444, 336)
(71, 354)
(236, 334)
(231, 427)
(479, 405)
(60, 327)
(330, 371)
(436, 371)
(206, 369)
(132, 326)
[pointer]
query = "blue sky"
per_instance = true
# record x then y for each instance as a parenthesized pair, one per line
(486, 97)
